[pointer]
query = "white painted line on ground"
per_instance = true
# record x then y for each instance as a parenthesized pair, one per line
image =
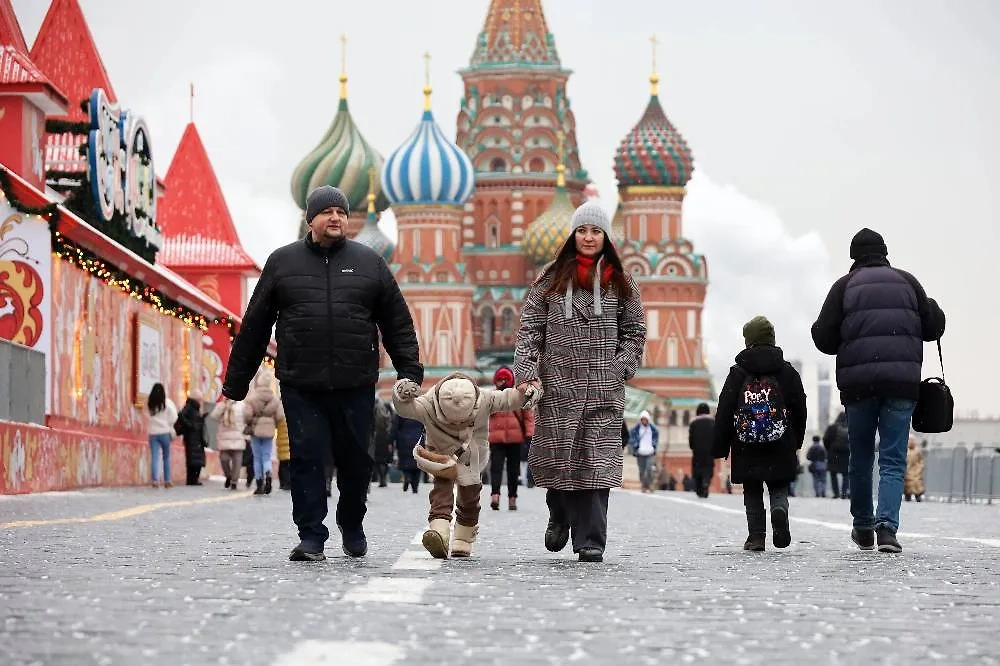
(841, 527)
(417, 560)
(418, 540)
(327, 653)
(390, 590)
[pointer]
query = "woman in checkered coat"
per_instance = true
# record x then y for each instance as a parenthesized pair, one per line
(581, 338)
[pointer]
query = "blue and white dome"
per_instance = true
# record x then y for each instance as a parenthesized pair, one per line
(428, 169)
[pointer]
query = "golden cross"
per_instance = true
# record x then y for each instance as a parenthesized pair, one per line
(427, 69)
(343, 54)
(191, 104)
(655, 43)
(371, 180)
(561, 137)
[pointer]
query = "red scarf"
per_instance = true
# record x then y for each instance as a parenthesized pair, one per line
(585, 271)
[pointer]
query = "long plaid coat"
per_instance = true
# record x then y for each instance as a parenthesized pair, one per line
(583, 363)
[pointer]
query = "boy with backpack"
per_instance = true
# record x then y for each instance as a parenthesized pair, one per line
(761, 423)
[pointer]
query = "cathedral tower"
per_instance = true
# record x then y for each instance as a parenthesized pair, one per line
(428, 179)
(653, 165)
(514, 107)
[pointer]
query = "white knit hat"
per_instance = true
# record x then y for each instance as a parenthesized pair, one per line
(591, 212)
(456, 397)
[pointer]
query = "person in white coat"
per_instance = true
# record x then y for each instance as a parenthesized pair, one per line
(162, 416)
(229, 439)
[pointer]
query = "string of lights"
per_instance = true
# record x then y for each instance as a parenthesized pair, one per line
(67, 251)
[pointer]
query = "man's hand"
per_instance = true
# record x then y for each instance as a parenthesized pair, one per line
(406, 390)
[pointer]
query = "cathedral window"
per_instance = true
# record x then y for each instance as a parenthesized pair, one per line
(498, 165)
(442, 276)
(494, 235)
(673, 417)
(671, 352)
(686, 417)
(507, 322)
(537, 164)
(486, 321)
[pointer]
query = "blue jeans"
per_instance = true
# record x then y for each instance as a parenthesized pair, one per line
(819, 483)
(262, 447)
(646, 464)
(159, 447)
(891, 418)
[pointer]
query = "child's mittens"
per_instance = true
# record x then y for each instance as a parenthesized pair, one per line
(532, 395)
(406, 390)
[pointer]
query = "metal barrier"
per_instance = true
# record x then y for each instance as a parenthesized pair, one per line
(961, 474)
(22, 384)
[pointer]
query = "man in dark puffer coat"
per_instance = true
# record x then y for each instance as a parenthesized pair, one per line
(701, 438)
(331, 298)
(876, 320)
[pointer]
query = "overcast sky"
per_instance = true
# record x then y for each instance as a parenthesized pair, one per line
(808, 121)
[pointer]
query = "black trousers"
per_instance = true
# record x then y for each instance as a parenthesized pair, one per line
(283, 474)
(702, 481)
(381, 474)
(193, 473)
(840, 484)
(586, 513)
(321, 425)
(411, 479)
(508, 455)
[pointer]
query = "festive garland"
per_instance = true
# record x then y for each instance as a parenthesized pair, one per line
(55, 126)
(49, 212)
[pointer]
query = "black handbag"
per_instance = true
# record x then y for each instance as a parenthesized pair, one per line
(935, 410)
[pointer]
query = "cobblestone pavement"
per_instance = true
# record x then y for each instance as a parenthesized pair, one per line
(204, 579)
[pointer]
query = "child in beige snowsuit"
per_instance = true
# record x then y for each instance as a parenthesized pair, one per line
(455, 449)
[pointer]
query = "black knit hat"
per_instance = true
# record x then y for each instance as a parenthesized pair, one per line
(868, 243)
(323, 197)
(758, 331)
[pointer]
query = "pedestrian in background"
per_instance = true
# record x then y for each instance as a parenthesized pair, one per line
(838, 456)
(263, 412)
(281, 447)
(408, 433)
(581, 338)
(816, 455)
(160, 428)
(876, 320)
(913, 486)
(383, 440)
(645, 437)
(509, 432)
(230, 440)
(190, 425)
(701, 438)
(761, 423)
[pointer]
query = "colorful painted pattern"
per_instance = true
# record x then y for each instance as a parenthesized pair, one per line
(515, 33)
(654, 152)
(35, 459)
(428, 169)
(549, 231)
(341, 159)
(92, 354)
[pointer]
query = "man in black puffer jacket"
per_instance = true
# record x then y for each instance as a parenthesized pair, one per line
(876, 320)
(331, 299)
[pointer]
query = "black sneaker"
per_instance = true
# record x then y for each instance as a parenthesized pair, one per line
(267, 484)
(355, 543)
(755, 543)
(556, 536)
(887, 540)
(864, 538)
(306, 553)
(779, 527)
(591, 555)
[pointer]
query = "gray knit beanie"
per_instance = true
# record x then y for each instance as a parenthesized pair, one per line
(323, 197)
(591, 212)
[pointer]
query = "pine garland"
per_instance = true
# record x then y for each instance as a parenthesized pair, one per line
(49, 211)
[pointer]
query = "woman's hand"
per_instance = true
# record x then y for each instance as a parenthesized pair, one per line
(523, 386)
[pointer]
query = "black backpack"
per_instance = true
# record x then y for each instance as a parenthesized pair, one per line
(761, 417)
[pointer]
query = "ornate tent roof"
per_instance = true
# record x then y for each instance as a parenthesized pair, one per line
(515, 35)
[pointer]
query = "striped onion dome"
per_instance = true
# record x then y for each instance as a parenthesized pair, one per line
(654, 152)
(548, 232)
(341, 159)
(428, 168)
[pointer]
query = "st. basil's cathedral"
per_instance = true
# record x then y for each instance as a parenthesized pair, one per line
(478, 216)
